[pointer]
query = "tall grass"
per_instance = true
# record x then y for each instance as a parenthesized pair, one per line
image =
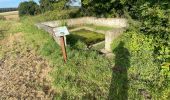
(87, 75)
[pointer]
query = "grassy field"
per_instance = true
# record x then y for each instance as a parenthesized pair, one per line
(13, 15)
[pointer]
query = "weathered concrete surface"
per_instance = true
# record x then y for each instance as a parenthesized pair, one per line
(118, 24)
(49, 30)
(112, 22)
(88, 28)
(110, 36)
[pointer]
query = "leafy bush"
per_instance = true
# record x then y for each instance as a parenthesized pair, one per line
(144, 72)
(60, 5)
(28, 8)
(46, 5)
(155, 22)
(53, 15)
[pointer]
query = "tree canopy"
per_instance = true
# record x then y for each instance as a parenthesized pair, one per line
(28, 8)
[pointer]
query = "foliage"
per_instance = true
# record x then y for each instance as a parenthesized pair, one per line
(154, 18)
(28, 8)
(80, 77)
(148, 43)
(46, 5)
(60, 5)
(111, 8)
(143, 73)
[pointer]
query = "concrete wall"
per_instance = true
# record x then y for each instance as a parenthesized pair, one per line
(118, 24)
(110, 36)
(49, 30)
(112, 22)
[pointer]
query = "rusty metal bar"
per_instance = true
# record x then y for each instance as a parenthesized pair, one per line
(63, 47)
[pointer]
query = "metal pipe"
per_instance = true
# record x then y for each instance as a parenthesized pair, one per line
(63, 47)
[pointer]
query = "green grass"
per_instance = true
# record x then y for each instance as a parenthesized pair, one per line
(103, 28)
(87, 75)
(95, 27)
(86, 36)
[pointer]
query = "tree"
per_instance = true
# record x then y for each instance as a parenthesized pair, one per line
(28, 8)
(46, 5)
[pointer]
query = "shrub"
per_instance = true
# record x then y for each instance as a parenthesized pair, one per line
(144, 71)
(28, 8)
(46, 5)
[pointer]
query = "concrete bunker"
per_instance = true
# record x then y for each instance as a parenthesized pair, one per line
(119, 26)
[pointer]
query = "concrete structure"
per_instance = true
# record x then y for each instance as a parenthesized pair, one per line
(118, 24)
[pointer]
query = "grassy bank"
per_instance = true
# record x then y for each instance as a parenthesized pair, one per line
(89, 75)
(86, 74)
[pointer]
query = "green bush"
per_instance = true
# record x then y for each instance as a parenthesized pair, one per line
(144, 71)
(46, 5)
(28, 8)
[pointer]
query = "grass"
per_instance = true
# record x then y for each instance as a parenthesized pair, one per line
(86, 36)
(9, 13)
(87, 75)
(95, 27)
(13, 15)
(103, 28)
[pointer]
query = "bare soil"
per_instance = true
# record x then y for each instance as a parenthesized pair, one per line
(23, 74)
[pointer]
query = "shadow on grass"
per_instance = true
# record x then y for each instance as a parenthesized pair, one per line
(119, 83)
(73, 39)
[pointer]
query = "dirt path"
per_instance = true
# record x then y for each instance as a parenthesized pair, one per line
(23, 74)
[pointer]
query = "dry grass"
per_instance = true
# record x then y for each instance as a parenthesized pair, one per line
(13, 15)
(23, 73)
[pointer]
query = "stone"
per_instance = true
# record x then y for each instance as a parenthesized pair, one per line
(119, 25)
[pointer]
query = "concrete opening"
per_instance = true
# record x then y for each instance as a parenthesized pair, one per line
(117, 27)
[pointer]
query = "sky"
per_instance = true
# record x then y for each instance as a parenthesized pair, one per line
(11, 3)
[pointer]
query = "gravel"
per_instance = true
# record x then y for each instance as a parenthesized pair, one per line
(23, 74)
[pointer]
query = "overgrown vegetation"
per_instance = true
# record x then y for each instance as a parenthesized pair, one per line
(90, 75)
(46, 5)
(28, 8)
(95, 27)
(140, 69)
